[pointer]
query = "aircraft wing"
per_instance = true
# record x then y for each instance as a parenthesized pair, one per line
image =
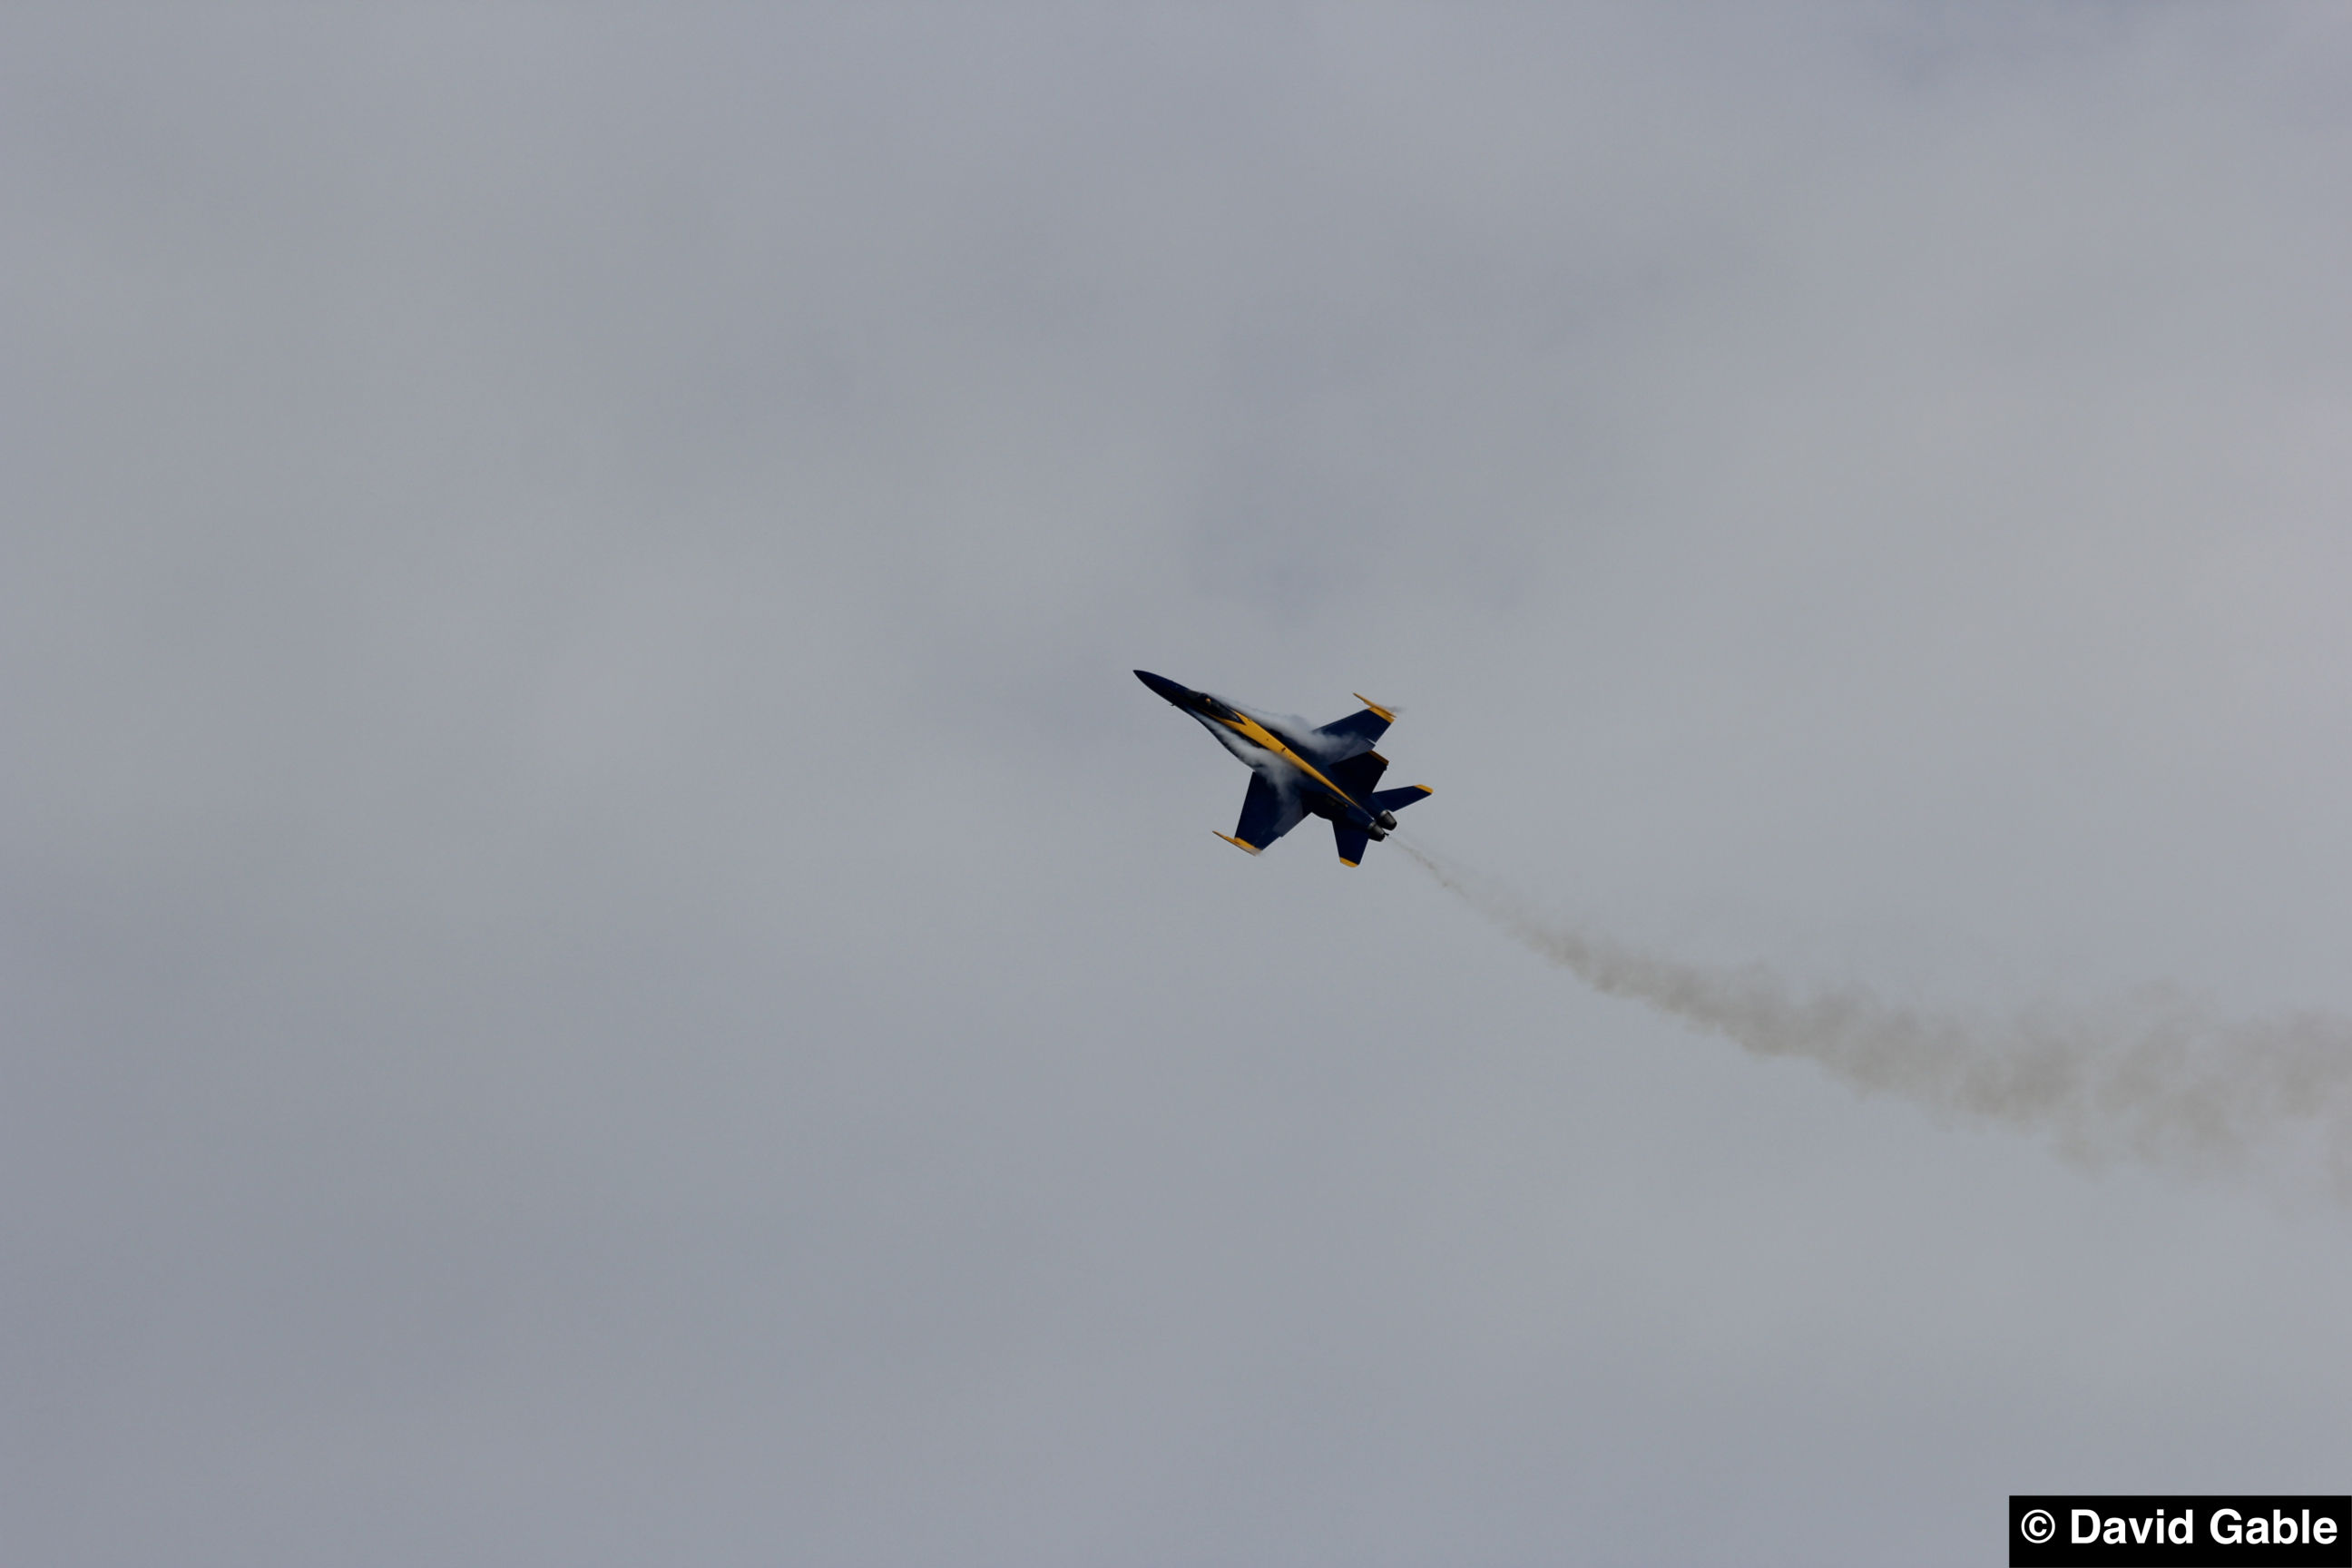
(1268, 814)
(1356, 733)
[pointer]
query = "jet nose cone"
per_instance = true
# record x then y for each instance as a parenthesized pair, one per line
(1163, 686)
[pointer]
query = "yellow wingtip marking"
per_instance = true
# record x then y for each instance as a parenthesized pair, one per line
(1235, 842)
(1375, 707)
(1424, 789)
(1345, 861)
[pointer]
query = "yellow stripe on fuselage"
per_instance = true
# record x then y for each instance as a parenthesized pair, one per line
(1257, 734)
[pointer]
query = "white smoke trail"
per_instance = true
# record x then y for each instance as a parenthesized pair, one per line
(2158, 1078)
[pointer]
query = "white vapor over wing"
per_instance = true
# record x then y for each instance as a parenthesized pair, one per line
(2155, 1079)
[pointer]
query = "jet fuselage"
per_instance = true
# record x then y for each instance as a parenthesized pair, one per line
(1267, 748)
(1327, 771)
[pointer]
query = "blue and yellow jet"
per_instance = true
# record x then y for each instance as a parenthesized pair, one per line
(1327, 773)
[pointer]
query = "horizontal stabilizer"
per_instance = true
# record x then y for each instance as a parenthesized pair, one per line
(1352, 842)
(1398, 799)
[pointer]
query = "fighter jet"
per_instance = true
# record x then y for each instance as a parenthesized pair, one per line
(1328, 773)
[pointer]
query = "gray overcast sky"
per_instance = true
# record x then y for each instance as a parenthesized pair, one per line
(603, 963)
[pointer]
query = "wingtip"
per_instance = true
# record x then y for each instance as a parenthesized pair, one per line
(1387, 715)
(1252, 848)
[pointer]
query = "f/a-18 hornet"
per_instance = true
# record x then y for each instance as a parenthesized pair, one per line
(1327, 773)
